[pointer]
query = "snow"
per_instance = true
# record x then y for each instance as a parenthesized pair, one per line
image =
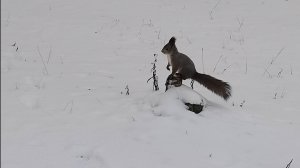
(173, 101)
(185, 94)
(65, 65)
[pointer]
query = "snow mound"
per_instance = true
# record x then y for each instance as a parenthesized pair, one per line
(186, 94)
(172, 102)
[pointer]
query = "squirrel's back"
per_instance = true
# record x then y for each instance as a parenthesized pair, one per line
(186, 66)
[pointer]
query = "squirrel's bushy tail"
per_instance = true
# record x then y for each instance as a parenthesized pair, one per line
(217, 86)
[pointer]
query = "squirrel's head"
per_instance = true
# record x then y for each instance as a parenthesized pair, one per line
(170, 47)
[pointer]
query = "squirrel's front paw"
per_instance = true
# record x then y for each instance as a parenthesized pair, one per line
(168, 67)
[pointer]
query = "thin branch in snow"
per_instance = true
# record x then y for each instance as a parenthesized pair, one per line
(202, 60)
(68, 104)
(273, 60)
(275, 96)
(217, 63)
(213, 10)
(240, 22)
(49, 55)
(225, 69)
(243, 102)
(45, 67)
(279, 73)
(154, 76)
(288, 165)
(158, 33)
(246, 70)
(127, 90)
(270, 76)
(282, 93)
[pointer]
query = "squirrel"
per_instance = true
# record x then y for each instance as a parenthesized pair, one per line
(183, 65)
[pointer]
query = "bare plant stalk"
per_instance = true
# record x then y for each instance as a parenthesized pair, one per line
(226, 68)
(154, 76)
(158, 34)
(275, 96)
(71, 103)
(282, 93)
(246, 65)
(49, 55)
(45, 67)
(127, 90)
(242, 104)
(213, 9)
(288, 165)
(241, 23)
(273, 60)
(270, 76)
(279, 73)
(202, 61)
(217, 63)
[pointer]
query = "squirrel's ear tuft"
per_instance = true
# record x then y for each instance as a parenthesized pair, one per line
(172, 41)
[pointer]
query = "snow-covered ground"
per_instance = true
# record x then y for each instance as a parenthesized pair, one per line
(65, 65)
